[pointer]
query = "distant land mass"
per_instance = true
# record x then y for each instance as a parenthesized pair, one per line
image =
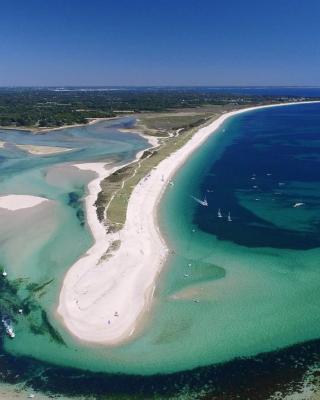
(51, 107)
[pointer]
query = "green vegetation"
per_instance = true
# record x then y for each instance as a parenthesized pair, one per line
(53, 107)
(117, 188)
(114, 246)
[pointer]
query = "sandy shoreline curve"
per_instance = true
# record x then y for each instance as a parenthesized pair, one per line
(15, 202)
(101, 299)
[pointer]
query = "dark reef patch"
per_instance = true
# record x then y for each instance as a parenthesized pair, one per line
(254, 378)
(75, 201)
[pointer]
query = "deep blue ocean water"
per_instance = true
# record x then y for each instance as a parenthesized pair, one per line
(271, 164)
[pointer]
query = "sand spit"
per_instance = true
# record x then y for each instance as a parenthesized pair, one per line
(102, 300)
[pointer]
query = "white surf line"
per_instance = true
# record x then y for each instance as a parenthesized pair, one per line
(101, 302)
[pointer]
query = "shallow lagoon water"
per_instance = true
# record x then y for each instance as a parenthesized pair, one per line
(252, 284)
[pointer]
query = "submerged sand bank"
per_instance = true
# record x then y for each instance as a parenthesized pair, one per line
(42, 150)
(102, 298)
(14, 202)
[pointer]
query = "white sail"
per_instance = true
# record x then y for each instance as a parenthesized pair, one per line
(203, 202)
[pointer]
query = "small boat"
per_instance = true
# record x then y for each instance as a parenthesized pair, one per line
(219, 213)
(171, 183)
(8, 327)
(203, 202)
(186, 275)
(4, 273)
(298, 205)
(229, 218)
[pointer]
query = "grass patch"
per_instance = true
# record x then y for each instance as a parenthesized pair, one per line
(112, 201)
(115, 245)
(118, 187)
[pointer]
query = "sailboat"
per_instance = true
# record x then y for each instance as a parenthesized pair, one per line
(297, 205)
(219, 213)
(203, 202)
(229, 218)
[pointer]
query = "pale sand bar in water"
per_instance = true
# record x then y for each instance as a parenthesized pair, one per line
(42, 150)
(102, 300)
(14, 202)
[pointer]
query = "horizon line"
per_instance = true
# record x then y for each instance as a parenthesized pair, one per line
(160, 86)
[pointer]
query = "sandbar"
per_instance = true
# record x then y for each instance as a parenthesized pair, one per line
(14, 202)
(42, 150)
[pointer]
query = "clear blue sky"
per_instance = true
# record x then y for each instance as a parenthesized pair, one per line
(160, 42)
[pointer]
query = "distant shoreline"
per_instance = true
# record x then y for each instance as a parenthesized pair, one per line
(39, 131)
(42, 130)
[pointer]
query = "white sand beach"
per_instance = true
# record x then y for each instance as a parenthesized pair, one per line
(14, 202)
(102, 300)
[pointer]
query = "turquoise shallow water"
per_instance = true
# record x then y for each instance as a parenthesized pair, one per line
(229, 289)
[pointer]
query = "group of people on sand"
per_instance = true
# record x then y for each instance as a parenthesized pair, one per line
(116, 314)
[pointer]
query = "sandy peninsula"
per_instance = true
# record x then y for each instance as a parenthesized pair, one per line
(107, 291)
(15, 202)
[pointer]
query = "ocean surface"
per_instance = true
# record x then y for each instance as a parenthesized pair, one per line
(236, 310)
